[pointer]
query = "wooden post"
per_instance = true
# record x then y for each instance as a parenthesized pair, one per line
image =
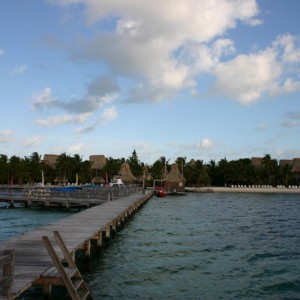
(99, 239)
(87, 249)
(8, 271)
(47, 289)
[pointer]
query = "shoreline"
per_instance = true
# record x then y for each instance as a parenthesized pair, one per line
(271, 190)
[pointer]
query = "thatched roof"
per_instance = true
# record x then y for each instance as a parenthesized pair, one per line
(296, 165)
(256, 162)
(60, 179)
(125, 174)
(50, 159)
(98, 179)
(284, 162)
(98, 161)
(174, 174)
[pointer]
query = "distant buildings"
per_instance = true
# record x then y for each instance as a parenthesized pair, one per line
(98, 161)
(257, 163)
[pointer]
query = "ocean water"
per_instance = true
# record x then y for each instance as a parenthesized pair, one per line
(205, 246)
(197, 246)
(14, 221)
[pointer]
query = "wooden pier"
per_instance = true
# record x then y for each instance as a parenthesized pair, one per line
(32, 264)
(72, 198)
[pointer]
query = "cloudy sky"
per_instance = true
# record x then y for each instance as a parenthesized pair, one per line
(204, 79)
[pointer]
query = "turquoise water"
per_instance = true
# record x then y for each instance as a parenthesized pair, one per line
(205, 246)
(198, 246)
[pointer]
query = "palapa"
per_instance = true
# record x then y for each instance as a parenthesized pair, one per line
(126, 174)
(61, 179)
(175, 181)
(174, 174)
(98, 179)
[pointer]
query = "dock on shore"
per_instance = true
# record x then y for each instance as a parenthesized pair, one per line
(32, 264)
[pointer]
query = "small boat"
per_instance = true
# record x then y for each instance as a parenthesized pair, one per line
(161, 193)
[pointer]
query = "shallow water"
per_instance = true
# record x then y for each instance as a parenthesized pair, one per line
(198, 246)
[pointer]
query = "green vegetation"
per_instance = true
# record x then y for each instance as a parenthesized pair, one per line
(28, 170)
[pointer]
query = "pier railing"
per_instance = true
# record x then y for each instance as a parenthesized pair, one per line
(7, 265)
(85, 197)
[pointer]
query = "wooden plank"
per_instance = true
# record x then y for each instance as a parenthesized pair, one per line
(32, 261)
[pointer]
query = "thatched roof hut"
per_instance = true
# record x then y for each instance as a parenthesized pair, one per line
(296, 165)
(126, 174)
(256, 162)
(50, 159)
(61, 179)
(175, 181)
(98, 161)
(98, 180)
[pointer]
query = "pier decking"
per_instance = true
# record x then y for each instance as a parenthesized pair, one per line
(32, 263)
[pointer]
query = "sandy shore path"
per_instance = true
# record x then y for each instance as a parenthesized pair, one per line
(243, 190)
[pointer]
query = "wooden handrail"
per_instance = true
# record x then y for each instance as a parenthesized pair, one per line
(7, 262)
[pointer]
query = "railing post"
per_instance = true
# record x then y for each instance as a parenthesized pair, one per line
(8, 272)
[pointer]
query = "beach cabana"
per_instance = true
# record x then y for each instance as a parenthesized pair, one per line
(175, 182)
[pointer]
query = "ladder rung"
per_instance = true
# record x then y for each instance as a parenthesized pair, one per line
(77, 282)
(71, 271)
(87, 294)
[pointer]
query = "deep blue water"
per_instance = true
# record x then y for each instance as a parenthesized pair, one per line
(198, 246)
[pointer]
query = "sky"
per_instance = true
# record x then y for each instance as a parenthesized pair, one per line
(202, 79)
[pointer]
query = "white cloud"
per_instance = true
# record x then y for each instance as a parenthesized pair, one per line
(163, 49)
(146, 38)
(44, 99)
(101, 91)
(205, 143)
(77, 148)
(62, 119)
(34, 141)
(261, 126)
(287, 44)
(2, 51)
(108, 115)
(6, 136)
(249, 77)
(18, 70)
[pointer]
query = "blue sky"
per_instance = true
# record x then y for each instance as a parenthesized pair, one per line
(196, 78)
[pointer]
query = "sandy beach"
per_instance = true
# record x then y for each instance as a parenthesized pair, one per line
(243, 190)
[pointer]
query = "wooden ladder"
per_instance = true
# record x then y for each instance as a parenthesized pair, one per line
(70, 275)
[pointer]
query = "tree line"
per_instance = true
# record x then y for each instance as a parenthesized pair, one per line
(29, 170)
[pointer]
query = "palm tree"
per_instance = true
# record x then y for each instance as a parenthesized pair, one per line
(223, 170)
(181, 163)
(4, 169)
(15, 169)
(286, 173)
(269, 165)
(76, 165)
(35, 167)
(63, 166)
(135, 165)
